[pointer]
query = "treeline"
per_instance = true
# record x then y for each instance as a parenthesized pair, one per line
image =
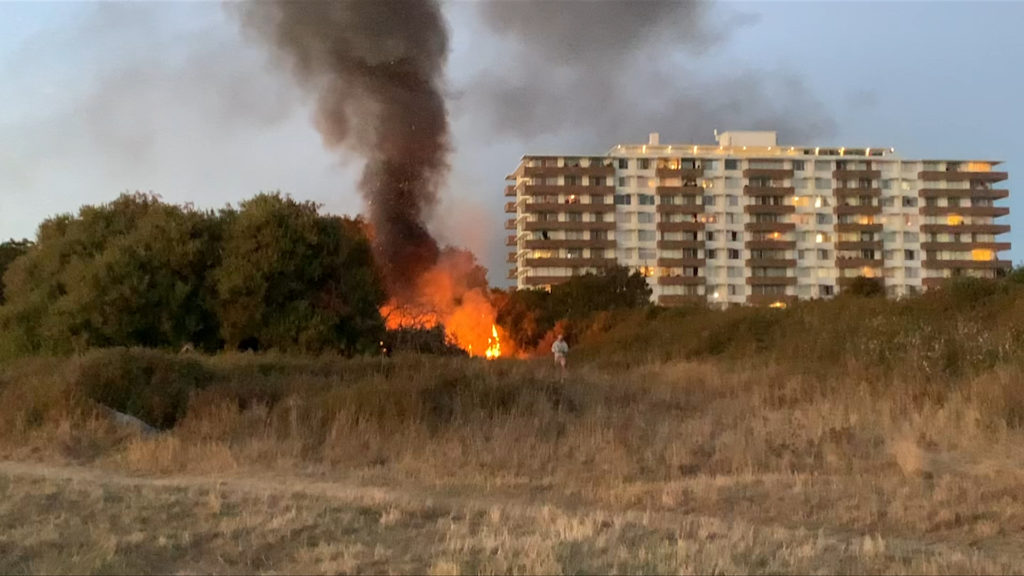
(271, 273)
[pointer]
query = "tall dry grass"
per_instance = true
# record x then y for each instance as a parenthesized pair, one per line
(896, 424)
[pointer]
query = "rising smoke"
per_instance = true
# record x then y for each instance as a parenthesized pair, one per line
(375, 69)
(599, 73)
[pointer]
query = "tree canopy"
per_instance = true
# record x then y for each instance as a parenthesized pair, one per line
(140, 272)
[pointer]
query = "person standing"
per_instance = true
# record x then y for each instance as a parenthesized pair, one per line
(560, 349)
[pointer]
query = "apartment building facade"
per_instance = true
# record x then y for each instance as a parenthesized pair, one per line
(747, 221)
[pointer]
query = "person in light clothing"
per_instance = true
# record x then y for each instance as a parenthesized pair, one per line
(560, 349)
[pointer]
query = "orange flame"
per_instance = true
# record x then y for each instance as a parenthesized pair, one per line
(494, 344)
(447, 295)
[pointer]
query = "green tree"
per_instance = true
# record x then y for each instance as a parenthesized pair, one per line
(131, 272)
(293, 279)
(9, 252)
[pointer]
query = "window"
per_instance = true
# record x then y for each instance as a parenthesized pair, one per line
(909, 255)
(733, 184)
(822, 166)
(732, 164)
(735, 272)
(709, 236)
(709, 200)
(645, 199)
(824, 218)
(623, 200)
(823, 255)
(645, 217)
(733, 200)
(909, 202)
(574, 252)
(645, 253)
(910, 236)
(622, 181)
(734, 236)
(643, 163)
(574, 217)
(734, 254)
(572, 181)
(904, 185)
(645, 235)
(826, 290)
(623, 163)
(888, 202)
(886, 184)
(712, 254)
(822, 184)
(734, 290)
(597, 180)
(798, 164)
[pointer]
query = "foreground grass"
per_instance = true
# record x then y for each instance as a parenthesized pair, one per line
(722, 443)
(108, 523)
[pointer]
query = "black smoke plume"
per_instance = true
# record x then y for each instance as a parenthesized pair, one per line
(375, 68)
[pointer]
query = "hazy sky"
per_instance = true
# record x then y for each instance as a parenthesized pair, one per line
(99, 98)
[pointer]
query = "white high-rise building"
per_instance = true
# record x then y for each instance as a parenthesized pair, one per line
(749, 221)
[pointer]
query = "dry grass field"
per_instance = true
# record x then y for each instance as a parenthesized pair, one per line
(768, 453)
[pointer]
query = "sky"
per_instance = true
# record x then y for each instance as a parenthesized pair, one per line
(174, 98)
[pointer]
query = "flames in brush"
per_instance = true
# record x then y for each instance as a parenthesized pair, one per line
(452, 294)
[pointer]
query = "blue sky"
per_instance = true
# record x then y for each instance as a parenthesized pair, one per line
(99, 98)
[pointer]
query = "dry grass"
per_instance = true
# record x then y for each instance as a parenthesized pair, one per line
(665, 461)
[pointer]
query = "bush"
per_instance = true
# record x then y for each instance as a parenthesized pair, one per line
(152, 386)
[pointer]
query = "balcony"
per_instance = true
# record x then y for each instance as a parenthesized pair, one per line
(768, 190)
(771, 263)
(570, 262)
(679, 244)
(858, 227)
(859, 245)
(510, 190)
(770, 244)
(513, 273)
(566, 207)
(866, 210)
(966, 264)
(993, 211)
(510, 224)
(511, 259)
(680, 280)
(965, 228)
(544, 280)
(556, 244)
(781, 227)
(680, 226)
(771, 280)
(769, 209)
(681, 262)
(856, 174)
(860, 262)
(510, 241)
(551, 225)
(679, 190)
(546, 190)
(965, 246)
(956, 176)
(545, 171)
(510, 207)
(775, 173)
(990, 193)
(680, 209)
(684, 173)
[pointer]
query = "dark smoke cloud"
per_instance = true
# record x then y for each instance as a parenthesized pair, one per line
(375, 69)
(601, 73)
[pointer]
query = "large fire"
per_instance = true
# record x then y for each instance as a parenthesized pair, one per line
(452, 294)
